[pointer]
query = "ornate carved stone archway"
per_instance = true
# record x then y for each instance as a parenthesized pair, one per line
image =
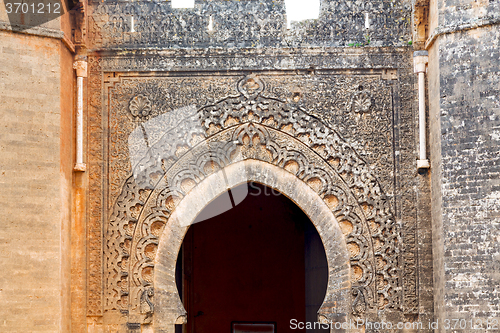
(251, 130)
(167, 301)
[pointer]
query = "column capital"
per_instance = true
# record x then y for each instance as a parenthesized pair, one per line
(81, 68)
(420, 60)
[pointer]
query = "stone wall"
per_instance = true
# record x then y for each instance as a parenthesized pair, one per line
(467, 174)
(464, 86)
(34, 186)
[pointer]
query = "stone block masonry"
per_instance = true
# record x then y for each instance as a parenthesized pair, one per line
(31, 186)
(469, 177)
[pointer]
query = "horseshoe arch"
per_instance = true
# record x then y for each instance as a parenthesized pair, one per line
(170, 310)
(267, 140)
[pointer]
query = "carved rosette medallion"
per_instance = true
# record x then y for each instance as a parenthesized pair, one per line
(140, 106)
(361, 102)
(250, 86)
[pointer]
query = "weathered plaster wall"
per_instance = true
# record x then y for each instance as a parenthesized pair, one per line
(464, 85)
(34, 185)
(67, 158)
(436, 181)
(456, 12)
(470, 120)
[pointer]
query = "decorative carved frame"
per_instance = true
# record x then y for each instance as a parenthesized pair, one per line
(362, 302)
(251, 126)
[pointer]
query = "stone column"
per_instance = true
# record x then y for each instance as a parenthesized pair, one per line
(420, 60)
(81, 71)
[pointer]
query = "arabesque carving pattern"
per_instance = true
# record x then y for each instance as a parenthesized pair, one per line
(251, 125)
(164, 97)
(95, 198)
(148, 23)
(230, 24)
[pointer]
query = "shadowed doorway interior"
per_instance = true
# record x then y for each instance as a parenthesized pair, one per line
(259, 262)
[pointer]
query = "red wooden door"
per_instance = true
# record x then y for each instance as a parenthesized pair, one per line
(246, 264)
